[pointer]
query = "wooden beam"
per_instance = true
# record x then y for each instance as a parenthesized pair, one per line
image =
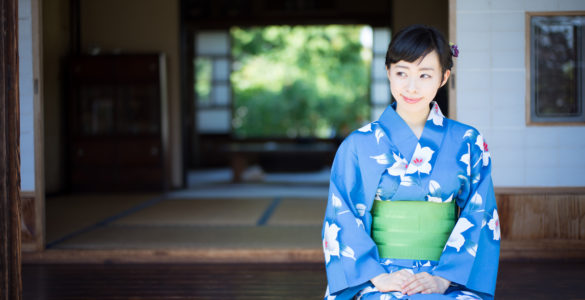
(452, 81)
(10, 266)
(39, 126)
(182, 256)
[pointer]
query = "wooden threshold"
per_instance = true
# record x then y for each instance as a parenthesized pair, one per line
(175, 256)
(539, 190)
(510, 250)
(542, 249)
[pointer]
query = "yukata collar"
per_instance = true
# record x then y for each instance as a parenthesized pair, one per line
(402, 137)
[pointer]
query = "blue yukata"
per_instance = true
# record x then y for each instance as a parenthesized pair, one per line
(385, 161)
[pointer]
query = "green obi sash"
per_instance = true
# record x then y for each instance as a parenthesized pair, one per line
(412, 229)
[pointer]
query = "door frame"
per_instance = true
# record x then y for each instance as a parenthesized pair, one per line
(10, 266)
(453, 37)
(33, 202)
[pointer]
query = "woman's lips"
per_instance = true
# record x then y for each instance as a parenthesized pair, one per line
(410, 100)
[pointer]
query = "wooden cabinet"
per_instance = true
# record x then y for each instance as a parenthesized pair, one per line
(115, 123)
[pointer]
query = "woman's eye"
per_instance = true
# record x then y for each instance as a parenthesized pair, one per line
(400, 74)
(425, 76)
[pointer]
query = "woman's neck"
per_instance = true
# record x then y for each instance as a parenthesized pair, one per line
(415, 120)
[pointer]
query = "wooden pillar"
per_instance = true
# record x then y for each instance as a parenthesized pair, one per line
(10, 268)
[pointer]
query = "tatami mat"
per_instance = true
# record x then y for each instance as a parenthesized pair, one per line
(174, 237)
(199, 212)
(68, 214)
(253, 190)
(203, 178)
(299, 211)
(214, 215)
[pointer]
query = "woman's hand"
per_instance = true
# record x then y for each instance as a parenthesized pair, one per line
(389, 282)
(425, 283)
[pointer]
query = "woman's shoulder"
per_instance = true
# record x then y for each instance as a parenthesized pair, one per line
(363, 135)
(457, 128)
(465, 135)
(370, 133)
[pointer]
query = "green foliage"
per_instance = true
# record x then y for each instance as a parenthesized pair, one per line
(203, 83)
(310, 81)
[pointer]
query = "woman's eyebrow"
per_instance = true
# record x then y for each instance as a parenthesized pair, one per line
(421, 69)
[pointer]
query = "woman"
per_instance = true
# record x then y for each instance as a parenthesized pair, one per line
(411, 212)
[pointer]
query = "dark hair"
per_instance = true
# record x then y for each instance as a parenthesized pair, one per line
(416, 41)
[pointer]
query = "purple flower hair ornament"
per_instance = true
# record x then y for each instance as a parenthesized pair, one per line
(454, 50)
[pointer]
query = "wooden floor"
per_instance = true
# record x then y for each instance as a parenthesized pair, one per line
(517, 280)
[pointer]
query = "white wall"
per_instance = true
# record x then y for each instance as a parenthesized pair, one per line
(491, 91)
(25, 57)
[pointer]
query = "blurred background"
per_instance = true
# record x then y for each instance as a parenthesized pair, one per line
(195, 124)
(197, 131)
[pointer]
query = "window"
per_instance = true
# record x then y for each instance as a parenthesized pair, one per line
(557, 58)
(212, 82)
(289, 81)
(380, 94)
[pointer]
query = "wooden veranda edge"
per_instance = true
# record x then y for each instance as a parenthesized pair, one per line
(175, 256)
(539, 190)
(510, 250)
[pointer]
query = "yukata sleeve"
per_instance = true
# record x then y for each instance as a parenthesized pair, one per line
(471, 255)
(351, 256)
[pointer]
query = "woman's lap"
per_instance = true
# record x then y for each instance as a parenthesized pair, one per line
(449, 294)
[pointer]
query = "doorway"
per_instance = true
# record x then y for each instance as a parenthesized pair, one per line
(208, 211)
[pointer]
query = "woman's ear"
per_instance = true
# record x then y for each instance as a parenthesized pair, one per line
(445, 77)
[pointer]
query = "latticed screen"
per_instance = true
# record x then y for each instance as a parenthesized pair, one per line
(557, 58)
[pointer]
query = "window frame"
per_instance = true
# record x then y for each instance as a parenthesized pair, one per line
(531, 119)
(212, 106)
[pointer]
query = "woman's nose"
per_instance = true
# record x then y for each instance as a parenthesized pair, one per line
(411, 85)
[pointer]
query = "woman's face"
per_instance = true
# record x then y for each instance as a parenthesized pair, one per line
(415, 84)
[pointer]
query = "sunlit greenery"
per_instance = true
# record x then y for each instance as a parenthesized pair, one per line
(203, 83)
(301, 81)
